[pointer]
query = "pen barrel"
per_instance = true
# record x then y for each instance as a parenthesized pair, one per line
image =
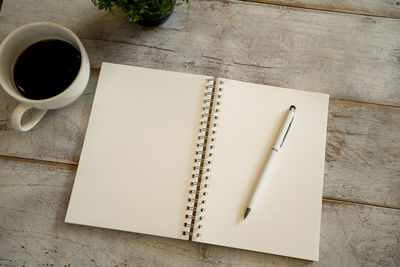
(284, 129)
(258, 187)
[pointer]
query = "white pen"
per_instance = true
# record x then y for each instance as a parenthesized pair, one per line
(275, 149)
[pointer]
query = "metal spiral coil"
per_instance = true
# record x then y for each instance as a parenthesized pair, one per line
(208, 108)
(196, 200)
(203, 160)
(199, 218)
(191, 233)
(193, 208)
(201, 152)
(192, 225)
(196, 175)
(201, 184)
(202, 163)
(197, 192)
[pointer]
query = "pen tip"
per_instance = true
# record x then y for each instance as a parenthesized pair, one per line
(246, 213)
(292, 107)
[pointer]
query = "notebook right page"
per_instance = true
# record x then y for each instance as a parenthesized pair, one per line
(286, 218)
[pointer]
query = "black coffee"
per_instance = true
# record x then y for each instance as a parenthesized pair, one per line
(46, 68)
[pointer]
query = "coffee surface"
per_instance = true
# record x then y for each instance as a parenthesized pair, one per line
(46, 68)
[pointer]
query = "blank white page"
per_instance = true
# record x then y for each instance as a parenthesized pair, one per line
(137, 157)
(286, 218)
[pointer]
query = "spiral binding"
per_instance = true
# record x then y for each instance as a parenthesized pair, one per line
(202, 162)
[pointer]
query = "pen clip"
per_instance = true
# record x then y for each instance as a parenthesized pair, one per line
(284, 137)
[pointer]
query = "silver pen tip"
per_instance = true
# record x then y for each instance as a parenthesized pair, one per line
(292, 107)
(246, 213)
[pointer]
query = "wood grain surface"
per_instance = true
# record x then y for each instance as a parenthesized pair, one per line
(363, 154)
(350, 57)
(34, 198)
(354, 58)
(381, 8)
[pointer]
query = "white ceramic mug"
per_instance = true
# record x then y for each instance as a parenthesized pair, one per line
(13, 45)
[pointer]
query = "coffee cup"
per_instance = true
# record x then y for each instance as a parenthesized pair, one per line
(10, 50)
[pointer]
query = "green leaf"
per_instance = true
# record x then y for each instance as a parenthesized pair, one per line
(135, 9)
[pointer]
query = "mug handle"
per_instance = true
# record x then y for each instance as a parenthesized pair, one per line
(17, 114)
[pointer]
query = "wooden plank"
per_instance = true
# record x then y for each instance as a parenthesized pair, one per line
(382, 8)
(350, 57)
(362, 151)
(34, 198)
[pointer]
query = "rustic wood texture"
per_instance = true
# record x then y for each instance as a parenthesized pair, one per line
(350, 57)
(34, 198)
(362, 153)
(381, 8)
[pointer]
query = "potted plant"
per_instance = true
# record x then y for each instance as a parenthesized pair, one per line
(144, 12)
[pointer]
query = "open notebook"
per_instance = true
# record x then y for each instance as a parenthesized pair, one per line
(158, 143)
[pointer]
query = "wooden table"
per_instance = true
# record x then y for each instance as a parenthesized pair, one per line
(349, 49)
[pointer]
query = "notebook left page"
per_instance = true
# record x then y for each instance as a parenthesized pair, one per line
(137, 157)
